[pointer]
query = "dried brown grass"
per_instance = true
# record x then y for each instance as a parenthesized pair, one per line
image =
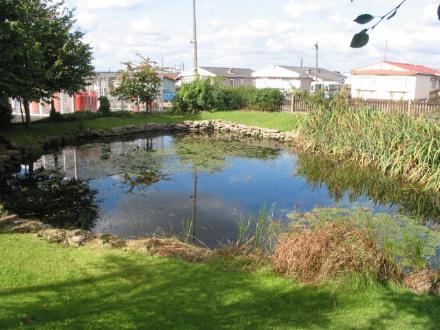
(423, 282)
(170, 247)
(327, 252)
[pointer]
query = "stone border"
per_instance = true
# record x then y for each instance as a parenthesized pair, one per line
(163, 247)
(11, 156)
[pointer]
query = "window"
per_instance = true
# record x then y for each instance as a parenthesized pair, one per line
(241, 81)
(232, 82)
(433, 83)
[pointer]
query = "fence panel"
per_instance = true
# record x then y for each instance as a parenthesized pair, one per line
(412, 108)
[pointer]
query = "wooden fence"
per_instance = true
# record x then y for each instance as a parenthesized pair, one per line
(412, 108)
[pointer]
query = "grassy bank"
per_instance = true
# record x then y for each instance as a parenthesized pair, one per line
(46, 286)
(275, 120)
(397, 145)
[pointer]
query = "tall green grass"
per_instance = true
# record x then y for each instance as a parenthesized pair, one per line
(395, 144)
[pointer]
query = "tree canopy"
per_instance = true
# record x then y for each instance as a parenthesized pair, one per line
(40, 52)
(138, 83)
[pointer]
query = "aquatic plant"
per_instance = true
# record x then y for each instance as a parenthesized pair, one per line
(331, 251)
(409, 243)
(397, 145)
(349, 178)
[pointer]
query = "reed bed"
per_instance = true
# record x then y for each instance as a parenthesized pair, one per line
(332, 251)
(397, 145)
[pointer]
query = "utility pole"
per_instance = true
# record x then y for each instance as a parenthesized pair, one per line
(316, 64)
(301, 62)
(195, 37)
(386, 50)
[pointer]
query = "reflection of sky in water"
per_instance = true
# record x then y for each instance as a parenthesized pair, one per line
(243, 186)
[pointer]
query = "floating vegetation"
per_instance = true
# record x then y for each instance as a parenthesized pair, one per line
(51, 198)
(414, 246)
(344, 177)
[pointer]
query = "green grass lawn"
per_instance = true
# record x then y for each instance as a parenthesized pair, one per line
(44, 286)
(280, 121)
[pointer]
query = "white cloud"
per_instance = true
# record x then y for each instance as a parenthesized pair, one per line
(86, 19)
(143, 25)
(299, 8)
(105, 4)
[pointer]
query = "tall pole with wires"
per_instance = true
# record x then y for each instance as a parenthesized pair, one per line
(316, 61)
(195, 37)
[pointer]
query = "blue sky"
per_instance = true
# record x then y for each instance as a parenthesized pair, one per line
(255, 34)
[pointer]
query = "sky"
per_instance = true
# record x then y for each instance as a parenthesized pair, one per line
(255, 34)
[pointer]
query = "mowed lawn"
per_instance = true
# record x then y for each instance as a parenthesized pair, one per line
(47, 286)
(275, 120)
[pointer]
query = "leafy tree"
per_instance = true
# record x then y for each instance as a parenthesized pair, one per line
(5, 112)
(40, 53)
(139, 83)
(104, 105)
(361, 39)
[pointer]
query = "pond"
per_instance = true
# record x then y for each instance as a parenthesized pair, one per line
(156, 184)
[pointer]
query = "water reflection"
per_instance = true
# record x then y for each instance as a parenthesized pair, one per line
(156, 183)
(47, 196)
(341, 178)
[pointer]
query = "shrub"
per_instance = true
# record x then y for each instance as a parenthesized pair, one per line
(330, 252)
(104, 105)
(5, 113)
(207, 94)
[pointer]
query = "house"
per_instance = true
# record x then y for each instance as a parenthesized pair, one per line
(231, 76)
(168, 85)
(288, 77)
(394, 81)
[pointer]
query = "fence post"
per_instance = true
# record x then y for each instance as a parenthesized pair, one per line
(292, 105)
(409, 108)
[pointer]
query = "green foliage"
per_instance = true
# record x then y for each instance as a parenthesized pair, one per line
(139, 83)
(395, 144)
(39, 43)
(47, 196)
(205, 94)
(104, 105)
(5, 113)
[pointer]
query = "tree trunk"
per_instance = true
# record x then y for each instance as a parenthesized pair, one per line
(27, 112)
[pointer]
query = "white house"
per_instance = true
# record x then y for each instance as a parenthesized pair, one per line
(231, 76)
(396, 81)
(288, 77)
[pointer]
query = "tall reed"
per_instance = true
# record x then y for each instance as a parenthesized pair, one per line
(397, 145)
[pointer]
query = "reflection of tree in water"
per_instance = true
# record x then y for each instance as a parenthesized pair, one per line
(49, 197)
(340, 178)
(204, 153)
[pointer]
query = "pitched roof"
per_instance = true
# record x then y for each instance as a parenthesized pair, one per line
(416, 68)
(170, 75)
(323, 74)
(408, 70)
(229, 72)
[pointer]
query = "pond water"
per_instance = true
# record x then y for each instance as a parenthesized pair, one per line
(156, 184)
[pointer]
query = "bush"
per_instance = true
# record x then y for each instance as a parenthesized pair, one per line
(5, 113)
(330, 252)
(207, 94)
(104, 105)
